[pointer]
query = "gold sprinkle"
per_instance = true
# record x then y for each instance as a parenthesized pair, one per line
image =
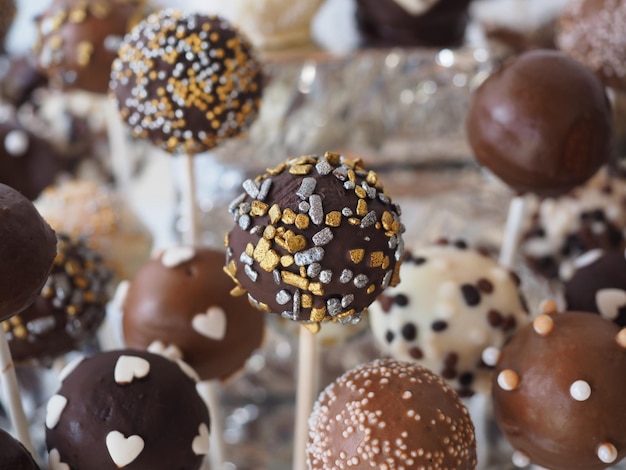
(275, 213)
(81, 282)
(508, 380)
(269, 232)
(371, 288)
(354, 221)
(312, 327)
(295, 244)
(289, 217)
(304, 160)
(262, 247)
(16, 320)
(294, 280)
(259, 209)
(333, 219)
(78, 14)
(277, 169)
(317, 288)
(302, 221)
(333, 158)
(351, 175)
(386, 262)
(302, 271)
(357, 255)
(395, 278)
(84, 50)
(349, 163)
(301, 170)
(377, 225)
(286, 261)
(230, 269)
(318, 314)
(20, 332)
(270, 261)
(371, 178)
(237, 291)
(264, 307)
(543, 324)
(306, 300)
(345, 314)
(72, 268)
(89, 297)
(377, 259)
(250, 249)
(361, 208)
(387, 220)
(360, 192)
(71, 310)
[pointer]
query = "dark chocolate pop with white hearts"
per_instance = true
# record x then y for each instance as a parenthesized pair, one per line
(13, 455)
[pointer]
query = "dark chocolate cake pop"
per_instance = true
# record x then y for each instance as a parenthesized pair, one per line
(127, 409)
(19, 78)
(13, 455)
(316, 239)
(541, 123)
(182, 298)
(558, 392)
(389, 414)
(69, 309)
(186, 81)
(27, 251)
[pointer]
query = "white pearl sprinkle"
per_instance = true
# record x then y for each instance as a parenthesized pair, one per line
(491, 356)
(580, 390)
(607, 452)
(520, 459)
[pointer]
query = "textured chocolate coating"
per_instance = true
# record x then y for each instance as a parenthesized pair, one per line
(187, 304)
(13, 455)
(599, 285)
(198, 75)
(390, 414)
(559, 390)
(7, 14)
(78, 40)
(145, 397)
(27, 250)
(594, 32)
(69, 309)
(541, 123)
(316, 240)
(437, 23)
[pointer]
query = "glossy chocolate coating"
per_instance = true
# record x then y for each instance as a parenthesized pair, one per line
(540, 416)
(27, 250)
(161, 407)
(541, 123)
(188, 305)
(13, 455)
(19, 78)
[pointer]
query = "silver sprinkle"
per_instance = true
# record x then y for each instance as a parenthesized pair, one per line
(361, 281)
(333, 306)
(245, 208)
(371, 191)
(244, 222)
(383, 198)
(326, 276)
(349, 185)
(42, 325)
(347, 300)
(251, 273)
(323, 237)
(251, 188)
(341, 173)
(397, 209)
(323, 167)
(265, 189)
(245, 259)
(347, 212)
(283, 297)
(369, 219)
(393, 242)
(277, 277)
(304, 206)
(312, 255)
(346, 276)
(257, 229)
(313, 270)
(288, 315)
(307, 187)
(351, 319)
(386, 280)
(296, 303)
(316, 213)
(400, 250)
(232, 207)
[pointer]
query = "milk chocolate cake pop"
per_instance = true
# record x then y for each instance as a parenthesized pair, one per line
(452, 304)
(558, 392)
(127, 409)
(186, 81)
(27, 250)
(181, 298)
(79, 40)
(13, 455)
(69, 309)
(541, 123)
(316, 239)
(393, 415)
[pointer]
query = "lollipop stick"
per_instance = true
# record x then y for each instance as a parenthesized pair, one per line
(120, 157)
(189, 202)
(308, 358)
(512, 231)
(11, 393)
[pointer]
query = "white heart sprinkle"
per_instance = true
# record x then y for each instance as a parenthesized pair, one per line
(69, 367)
(609, 301)
(171, 351)
(128, 368)
(200, 444)
(588, 258)
(176, 255)
(54, 461)
(211, 324)
(188, 370)
(123, 450)
(54, 408)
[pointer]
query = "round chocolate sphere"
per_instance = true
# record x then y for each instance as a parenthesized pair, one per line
(592, 31)
(13, 455)
(19, 78)
(452, 304)
(558, 392)
(316, 239)
(541, 123)
(27, 252)
(69, 309)
(127, 409)
(186, 81)
(78, 40)
(182, 298)
(390, 414)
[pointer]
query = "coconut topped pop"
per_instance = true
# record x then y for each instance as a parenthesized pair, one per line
(186, 81)
(316, 240)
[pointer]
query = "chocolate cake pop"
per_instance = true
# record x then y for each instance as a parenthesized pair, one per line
(7, 14)
(79, 40)
(452, 304)
(186, 81)
(390, 414)
(541, 123)
(594, 32)
(558, 392)
(316, 240)
(69, 309)
(13, 455)
(127, 409)
(27, 251)
(181, 298)
(19, 78)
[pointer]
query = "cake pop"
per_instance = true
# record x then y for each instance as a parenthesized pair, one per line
(558, 392)
(7, 14)
(13, 455)
(19, 78)
(181, 298)
(69, 309)
(452, 304)
(390, 414)
(127, 409)
(186, 81)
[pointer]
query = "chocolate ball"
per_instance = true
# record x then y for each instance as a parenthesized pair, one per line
(558, 392)
(19, 78)
(390, 414)
(186, 81)
(541, 123)
(592, 31)
(127, 409)
(316, 239)
(69, 309)
(181, 298)
(78, 40)
(14, 455)
(27, 252)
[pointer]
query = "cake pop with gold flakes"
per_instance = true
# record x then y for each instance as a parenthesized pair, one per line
(186, 81)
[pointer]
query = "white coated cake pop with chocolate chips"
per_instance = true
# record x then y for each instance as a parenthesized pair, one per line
(452, 304)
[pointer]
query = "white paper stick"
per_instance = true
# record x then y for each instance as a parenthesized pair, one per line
(118, 145)
(308, 359)
(192, 235)
(512, 232)
(209, 390)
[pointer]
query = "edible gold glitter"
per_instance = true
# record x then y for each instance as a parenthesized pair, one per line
(295, 243)
(270, 261)
(289, 217)
(300, 170)
(376, 259)
(333, 219)
(269, 232)
(262, 247)
(356, 255)
(360, 192)
(275, 213)
(294, 280)
(302, 221)
(361, 208)
(317, 288)
(318, 314)
(286, 261)
(371, 289)
(259, 209)
(307, 300)
(250, 249)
